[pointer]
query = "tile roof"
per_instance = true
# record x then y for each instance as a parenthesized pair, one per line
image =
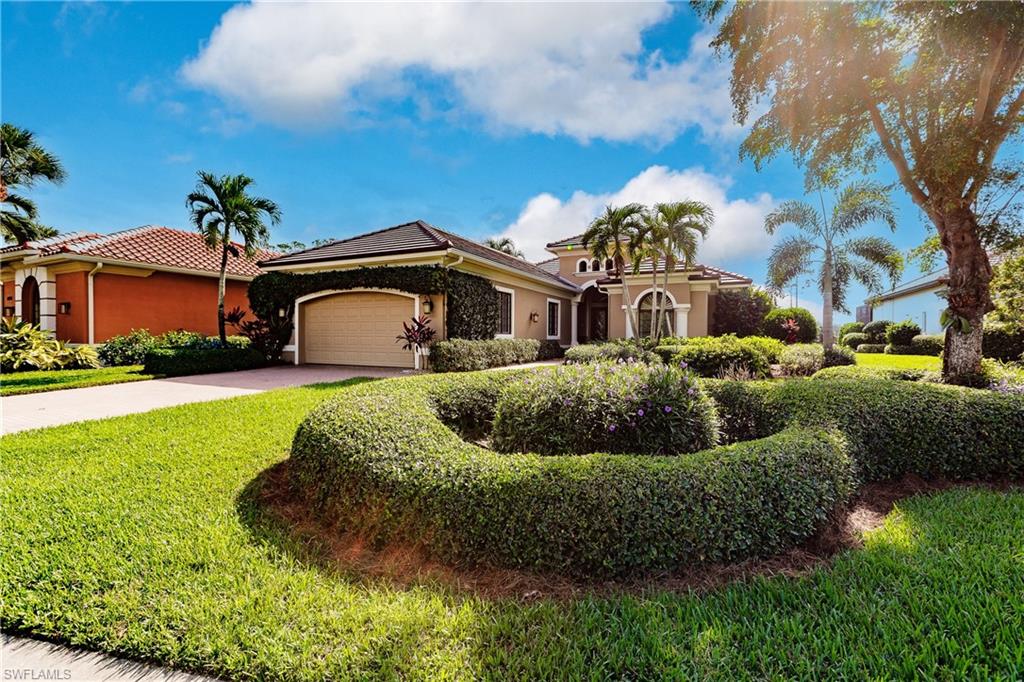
(575, 240)
(550, 265)
(150, 245)
(414, 237)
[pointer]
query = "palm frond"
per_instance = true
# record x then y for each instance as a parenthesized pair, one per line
(797, 213)
(790, 258)
(876, 252)
(861, 203)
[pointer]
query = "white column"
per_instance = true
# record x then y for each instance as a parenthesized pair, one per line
(573, 340)
(682, 320)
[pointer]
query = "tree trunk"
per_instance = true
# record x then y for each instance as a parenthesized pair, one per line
(221, 286)
(968, 293)
(826, 294)
(631, 318)
(663, 307)
(655, 320)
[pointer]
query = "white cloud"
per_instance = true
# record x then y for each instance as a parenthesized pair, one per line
(557, 68)
(739, 223)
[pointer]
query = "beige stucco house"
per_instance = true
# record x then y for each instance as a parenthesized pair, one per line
(569, 298)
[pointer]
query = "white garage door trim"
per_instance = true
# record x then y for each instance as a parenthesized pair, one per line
(332, 292)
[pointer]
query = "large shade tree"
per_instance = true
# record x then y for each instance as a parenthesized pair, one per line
(934, 88)
(823, 245)
(23, 163)
(609, 236)
(222, 209)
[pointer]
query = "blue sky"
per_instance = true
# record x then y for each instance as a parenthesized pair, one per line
(520, 120)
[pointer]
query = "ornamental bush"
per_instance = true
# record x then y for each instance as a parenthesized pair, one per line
(774, 321)
(871, 348)
(928, 344)
(876, 330)
(463, 355)
(1002, 342)
(891, 373)
(902, 333)
(550, 350)
(619, 350)
(850, 328)
(837, 356)
(129, 349)
(891, 349)
(713, 356)
(605, 407)
(173, 362)
(802, 359)
(26, 347)
(894, 427)
(740, 312)
(853, 340)
(378, 461)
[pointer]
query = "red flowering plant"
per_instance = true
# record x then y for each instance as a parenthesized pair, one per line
(792, 328)
(418, 335)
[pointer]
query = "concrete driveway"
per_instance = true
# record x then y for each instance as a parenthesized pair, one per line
(37, 410)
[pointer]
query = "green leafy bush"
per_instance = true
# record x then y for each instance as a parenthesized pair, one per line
(377, 461)
(876, 330)
(837, 356)
(902, 333)
(740, 312)
(871, 348)
(894, 427)
(463, 355)
(853, 340)
(802, 359)
(713, 356)
(26, 347)
(774, 321)
(605, 407)
(1002, 342)
(128, 349)
(928, 344)
(891, 373)
(550, 350)
(891, 349)
(618, 350)
(850, 328)
(174, 362)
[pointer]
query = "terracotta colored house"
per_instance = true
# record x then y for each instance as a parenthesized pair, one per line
(87, 287)
(568, 299)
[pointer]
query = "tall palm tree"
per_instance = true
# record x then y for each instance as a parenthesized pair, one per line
(505, 245)
(220, 208)
(682, 221)
(858, 258)
(23, 162)
(650, 242)
(609, 236)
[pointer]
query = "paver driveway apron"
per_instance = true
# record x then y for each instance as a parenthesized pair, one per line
(37, 410)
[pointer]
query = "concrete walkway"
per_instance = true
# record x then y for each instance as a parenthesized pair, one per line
(37, 410)
(31, 659)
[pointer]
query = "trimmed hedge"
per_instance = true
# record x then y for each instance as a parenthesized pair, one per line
(876, 330)
(550, 350)
(928, 344)
(894, 427)
(619, 408)
(713, 356)
(902, 333)
(378, 461)
(891, 349)
(891, 373)
(802, 359)
(1002, 342)
(174, 362)
(871, 348)
(620, 350)
(463, 355)
(774, 320)
(850, 328)
(854, 340)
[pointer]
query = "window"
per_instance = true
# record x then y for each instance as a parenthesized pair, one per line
(554, 318)
(582, 265)
(595, 266)
(646, 311)
(609, 264)
(506, 304)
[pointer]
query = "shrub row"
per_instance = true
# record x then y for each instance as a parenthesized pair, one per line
(175, 362)
(624, 350)
(619, 408)
(871, 348)
(894, 427)
(928, 344)
(713, 356)
(131, 348)
(463, 355)
(804, 359)
(1002, 342)
(890, 373)
(377, 460)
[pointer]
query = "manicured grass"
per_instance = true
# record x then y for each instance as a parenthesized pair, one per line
(37, 382)
(137, 535)
(926, 362)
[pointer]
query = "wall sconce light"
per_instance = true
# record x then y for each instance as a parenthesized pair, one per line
(8, 311)
(281, 312)
(428, 306)
(64, 307)
(535, 317)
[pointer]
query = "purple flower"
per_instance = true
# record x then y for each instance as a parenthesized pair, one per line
(612, 428)
(683, 364)
(640, 412)
(667, 408)
(690, 391)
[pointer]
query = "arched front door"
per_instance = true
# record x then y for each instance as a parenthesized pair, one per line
(30, 301)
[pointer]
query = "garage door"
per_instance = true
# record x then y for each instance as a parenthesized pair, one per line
(356, 329)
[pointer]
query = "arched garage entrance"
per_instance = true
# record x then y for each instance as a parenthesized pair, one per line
(356, 327)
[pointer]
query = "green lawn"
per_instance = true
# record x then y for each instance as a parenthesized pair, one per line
(37, 382)
(926, 362)
(136, 535)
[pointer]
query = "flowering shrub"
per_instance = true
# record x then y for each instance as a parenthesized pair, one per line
(605, 407)
(802, 359)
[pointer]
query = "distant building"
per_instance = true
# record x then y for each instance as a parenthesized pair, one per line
(918, 300)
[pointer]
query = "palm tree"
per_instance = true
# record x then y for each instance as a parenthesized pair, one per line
(221, 207)
(609, 236)
(682, 221)
(840, 261)
(23, 162)
(650, 243)
(505, 245)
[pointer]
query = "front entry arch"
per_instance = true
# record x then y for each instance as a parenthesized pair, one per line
(30, 300)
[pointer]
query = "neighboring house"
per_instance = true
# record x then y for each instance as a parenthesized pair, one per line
(87, 287)
(918, 300)
(554, 300)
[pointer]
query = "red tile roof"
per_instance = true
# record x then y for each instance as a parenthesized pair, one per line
(148, 245)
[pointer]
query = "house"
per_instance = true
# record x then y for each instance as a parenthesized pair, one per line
(919, 300)
(87, 287)
(567, 299)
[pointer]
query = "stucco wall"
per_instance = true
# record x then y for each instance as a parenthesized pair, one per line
(72, 288)
(528, 301)
(922, 307)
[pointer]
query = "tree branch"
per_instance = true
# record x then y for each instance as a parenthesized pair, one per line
(895, 155)
(988, 72)
(994, 142)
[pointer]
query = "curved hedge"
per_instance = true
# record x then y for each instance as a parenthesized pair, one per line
(386, 462)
